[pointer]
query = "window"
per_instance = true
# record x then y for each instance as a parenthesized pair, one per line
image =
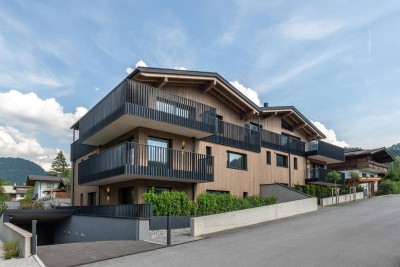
(286, 126)
(209, 153)
(295, 163)
(158, 189)
(218, 192)
(158, 152)
(81, 200)
(363, 175)
(254, 126)
(245, 194)
(126, 195)
(236, 160)
(49, 185)
(281, 160)
(92, 199)
(173, 107)
(269, 157)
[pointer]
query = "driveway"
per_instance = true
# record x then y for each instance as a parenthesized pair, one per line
(365, 233)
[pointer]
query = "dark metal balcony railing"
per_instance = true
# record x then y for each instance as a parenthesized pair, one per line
(235, 136)
(320, 175)
(78, 149)
(324, 149)
(130, 97)
(144, 160)
(282, 143)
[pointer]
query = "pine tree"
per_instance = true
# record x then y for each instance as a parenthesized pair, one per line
(60, 166)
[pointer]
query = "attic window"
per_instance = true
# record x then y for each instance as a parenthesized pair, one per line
(286, 126)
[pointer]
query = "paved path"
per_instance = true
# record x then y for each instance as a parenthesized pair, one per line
(365, 233)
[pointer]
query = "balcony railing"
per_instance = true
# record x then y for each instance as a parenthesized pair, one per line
(235, 136)
(320, 175)
(141, 161)
(129, 211)
(141, 100)
(282, 143)
(372, 165)
(320, 148)
(78, 149)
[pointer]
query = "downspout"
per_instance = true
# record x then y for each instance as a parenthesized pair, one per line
(194, 185)
(290, 172)
(259, 128)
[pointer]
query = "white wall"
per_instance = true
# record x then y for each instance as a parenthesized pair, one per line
(10, 232)
(342, 199)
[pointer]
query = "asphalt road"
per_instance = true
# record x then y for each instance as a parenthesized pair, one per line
(365, 233)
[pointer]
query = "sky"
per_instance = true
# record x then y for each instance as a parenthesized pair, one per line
(335, 61)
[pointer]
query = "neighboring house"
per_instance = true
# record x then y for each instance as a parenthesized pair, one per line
(370, 164)
(16, 192)
(56, 196)
(194, 132)
(40, 183)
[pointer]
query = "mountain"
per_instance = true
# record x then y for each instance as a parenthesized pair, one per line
(395, 150)
(16, 170)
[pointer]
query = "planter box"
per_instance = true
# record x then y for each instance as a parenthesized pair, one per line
(235, 219)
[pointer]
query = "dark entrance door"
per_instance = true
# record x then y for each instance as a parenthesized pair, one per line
(126, 195)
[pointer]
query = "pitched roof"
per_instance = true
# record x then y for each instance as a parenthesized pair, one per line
(380, 155)
(30, 180)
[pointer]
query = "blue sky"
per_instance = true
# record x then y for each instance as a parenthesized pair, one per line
(336, 61)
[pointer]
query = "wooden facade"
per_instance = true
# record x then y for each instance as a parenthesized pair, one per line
(227, 104)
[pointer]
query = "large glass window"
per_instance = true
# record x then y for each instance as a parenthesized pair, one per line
(173, 107)
(281, 160)
(158, 152)
(236, 160)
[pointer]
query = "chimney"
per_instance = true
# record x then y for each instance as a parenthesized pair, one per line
(266, 104)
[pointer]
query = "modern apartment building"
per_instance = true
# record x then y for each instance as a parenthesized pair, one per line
(190, 131)
(370, 164)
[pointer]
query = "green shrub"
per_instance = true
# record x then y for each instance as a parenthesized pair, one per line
(31, 205)
(178, 203)
(11, 249)
(389, 187)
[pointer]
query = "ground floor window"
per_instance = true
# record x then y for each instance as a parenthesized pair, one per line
(295, 163)
(217, 192)
(158, 189)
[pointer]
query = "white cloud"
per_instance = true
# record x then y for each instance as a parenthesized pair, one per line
(129, 70)
(180, 68)
(35, 114)
(97, 89)
(330, 135)
(250, 93)
(141, 63)
(13, 143)
(306, 29)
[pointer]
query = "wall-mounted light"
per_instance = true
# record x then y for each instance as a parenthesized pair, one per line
(108, 193)
(183, 143)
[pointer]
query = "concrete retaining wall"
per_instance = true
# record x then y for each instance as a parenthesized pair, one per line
(10, 232)
(230, 220)
(342, 199)
(176, 222)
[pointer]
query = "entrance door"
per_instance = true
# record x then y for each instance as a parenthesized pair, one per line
(126, 195)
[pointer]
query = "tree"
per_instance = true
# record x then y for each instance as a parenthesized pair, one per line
(334, 176)
(354, 177)
(60, 166)
(394, 170)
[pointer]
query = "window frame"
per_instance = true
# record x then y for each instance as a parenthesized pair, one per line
(295, 163)
(244, 160)
(285, 161)
(269, 158)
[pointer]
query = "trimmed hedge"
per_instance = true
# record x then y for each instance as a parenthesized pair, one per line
(389, 187)
(178, 203)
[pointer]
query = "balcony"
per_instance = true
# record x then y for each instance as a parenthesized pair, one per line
(319, 176)
(132, 104)
(325, 152)
(235, 136)
(372, 166)
(78, 149)
(128, 161)
(282, 143)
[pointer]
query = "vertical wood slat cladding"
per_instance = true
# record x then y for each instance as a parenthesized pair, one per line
(136, 159)
(137, 99)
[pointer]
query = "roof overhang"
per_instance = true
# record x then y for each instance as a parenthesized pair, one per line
(297, 120)
(208, 82)
(380, 155)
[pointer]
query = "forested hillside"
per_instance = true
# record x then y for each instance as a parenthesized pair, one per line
(16, 170)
